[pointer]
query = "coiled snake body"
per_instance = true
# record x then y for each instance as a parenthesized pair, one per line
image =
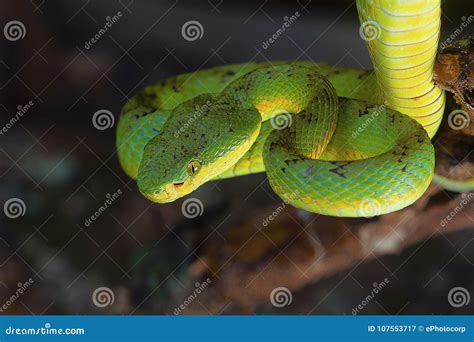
(331, 140)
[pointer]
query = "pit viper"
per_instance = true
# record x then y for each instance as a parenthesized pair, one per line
(332, 140)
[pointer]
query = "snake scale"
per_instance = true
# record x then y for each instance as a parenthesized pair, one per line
(332, 140)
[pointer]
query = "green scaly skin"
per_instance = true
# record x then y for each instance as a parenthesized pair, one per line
(340, 156)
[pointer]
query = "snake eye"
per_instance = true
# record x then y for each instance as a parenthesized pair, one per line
(193, 167)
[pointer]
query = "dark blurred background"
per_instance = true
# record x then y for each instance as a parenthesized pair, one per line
(150, 256)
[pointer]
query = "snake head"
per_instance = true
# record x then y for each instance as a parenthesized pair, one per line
(194, 146)
(168, 171)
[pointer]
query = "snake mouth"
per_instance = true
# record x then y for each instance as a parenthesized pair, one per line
(162, 194)
(166, 193)
(158, 196)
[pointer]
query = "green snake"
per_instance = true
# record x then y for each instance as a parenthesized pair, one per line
(331, 140)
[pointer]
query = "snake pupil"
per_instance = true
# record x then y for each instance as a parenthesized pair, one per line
(193, 167)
